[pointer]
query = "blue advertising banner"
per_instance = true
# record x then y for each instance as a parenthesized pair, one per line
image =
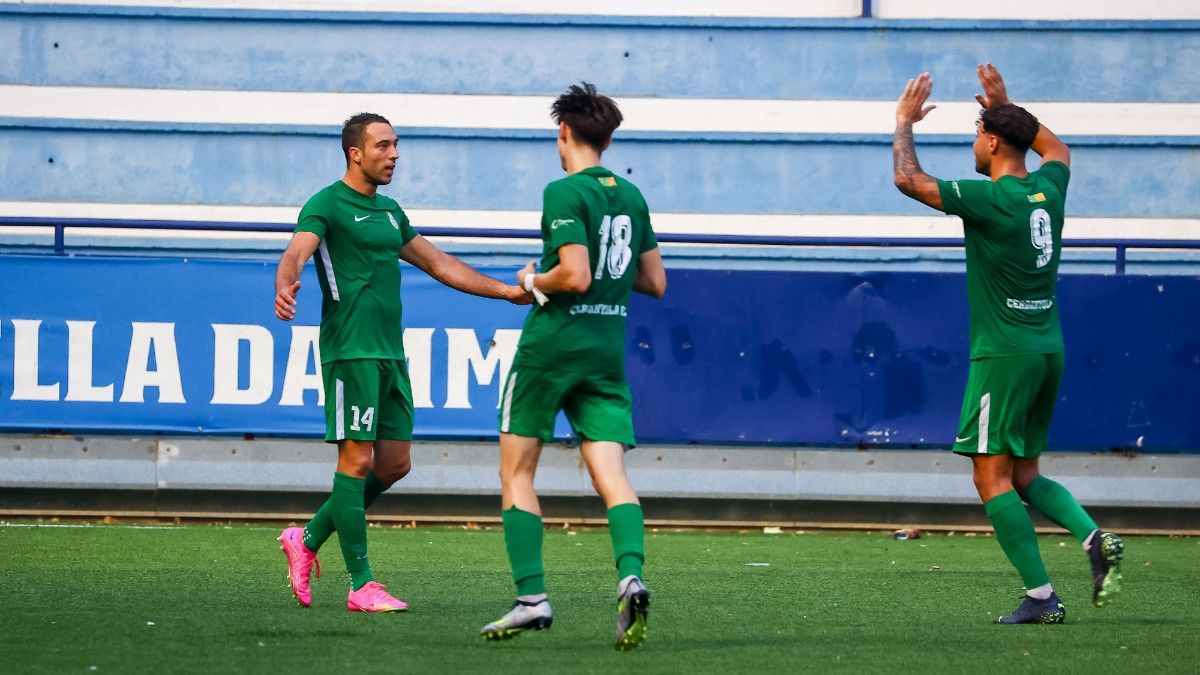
(172, 345)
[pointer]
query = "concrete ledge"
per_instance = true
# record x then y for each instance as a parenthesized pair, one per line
(229, 477)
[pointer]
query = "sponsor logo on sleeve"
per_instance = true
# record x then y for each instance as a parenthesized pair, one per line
(559, 222)
(392, 220)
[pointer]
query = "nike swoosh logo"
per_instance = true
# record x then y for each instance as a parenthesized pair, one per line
(359, 220)
(961, 440)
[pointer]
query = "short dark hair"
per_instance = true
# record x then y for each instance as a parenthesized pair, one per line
(592, 116)
(1016, 125)
(354, 128)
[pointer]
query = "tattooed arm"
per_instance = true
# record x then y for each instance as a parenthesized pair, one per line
(909, 177)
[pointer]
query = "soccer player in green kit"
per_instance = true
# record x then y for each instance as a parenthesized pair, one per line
(359, 235)
(1013, 230)
(597, 247)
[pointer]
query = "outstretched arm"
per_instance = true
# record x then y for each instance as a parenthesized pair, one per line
(909, 177)
(1045, 144)
(458, 275)
(287, 275)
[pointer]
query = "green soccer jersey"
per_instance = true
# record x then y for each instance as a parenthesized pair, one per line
(1013, 230)
(586, 331)
(358, 271)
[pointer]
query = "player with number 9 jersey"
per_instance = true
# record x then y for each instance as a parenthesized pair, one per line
(1013, 226)
(1013, 233)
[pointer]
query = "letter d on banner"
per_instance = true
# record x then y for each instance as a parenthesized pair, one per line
(227, 366)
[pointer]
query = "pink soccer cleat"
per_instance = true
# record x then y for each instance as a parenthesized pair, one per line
(301, 563)
(372, 598)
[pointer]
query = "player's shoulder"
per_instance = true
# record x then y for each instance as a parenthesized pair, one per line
(1054, 171)
(627, 187)
(566, 188)
(968, 188)
(324, 201)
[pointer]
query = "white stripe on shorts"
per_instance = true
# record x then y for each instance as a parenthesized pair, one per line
(339, 406)
(985, 413)
(506, 415)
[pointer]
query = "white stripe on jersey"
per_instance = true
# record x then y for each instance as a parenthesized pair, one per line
(329, 276)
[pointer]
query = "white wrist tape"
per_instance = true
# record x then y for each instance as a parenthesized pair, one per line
(537, 295)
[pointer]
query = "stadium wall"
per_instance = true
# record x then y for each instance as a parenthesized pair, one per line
(756, 117)
(728, 357)
(729, 120)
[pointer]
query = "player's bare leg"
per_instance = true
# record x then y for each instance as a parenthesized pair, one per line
(523, 532)
(605, 461)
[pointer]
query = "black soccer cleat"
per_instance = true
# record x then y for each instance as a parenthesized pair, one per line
(1032, 610)
(1105, 555)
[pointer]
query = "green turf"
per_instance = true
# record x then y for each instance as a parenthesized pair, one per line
(79, 600)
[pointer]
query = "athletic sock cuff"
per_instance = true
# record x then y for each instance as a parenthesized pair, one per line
(1038, 485)
(345, 480)
(1002, 501)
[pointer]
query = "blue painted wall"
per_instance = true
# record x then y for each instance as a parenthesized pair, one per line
(494, 170)
(854, 59)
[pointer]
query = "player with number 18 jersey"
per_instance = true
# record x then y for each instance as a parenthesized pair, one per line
(597, 247)
(571, 353)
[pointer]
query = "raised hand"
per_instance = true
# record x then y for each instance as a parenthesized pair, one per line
(994, 91)
(911, 107)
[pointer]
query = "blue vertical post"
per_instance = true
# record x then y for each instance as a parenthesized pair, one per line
(866, 9)
(1120, 259)
(59, 245)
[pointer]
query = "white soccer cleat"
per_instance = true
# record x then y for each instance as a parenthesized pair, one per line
(522, 617)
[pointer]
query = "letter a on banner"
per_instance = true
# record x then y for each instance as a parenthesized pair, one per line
(159, 338)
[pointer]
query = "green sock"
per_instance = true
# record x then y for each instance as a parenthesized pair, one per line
(1056, 503)
(320, 528)
(627, 526)
(1014, 532)
(350, 519)
(523, 533)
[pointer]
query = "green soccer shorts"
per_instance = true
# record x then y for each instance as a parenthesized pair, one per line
(366, 400)
(1008, 405)
(598, 406)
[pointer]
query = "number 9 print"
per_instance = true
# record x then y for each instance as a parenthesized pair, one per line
(1042, 236)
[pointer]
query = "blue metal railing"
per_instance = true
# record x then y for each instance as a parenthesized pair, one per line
(60, 225)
